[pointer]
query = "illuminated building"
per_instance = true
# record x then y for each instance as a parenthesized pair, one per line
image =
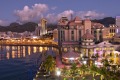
(70, 32)
(116, 38)
(104, 48)
(87, 46)
(109, 32)
(97, 31)
(70, 57)
(41, 29)
(118, 21)
(55, 35)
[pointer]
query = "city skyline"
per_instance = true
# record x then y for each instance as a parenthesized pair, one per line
(33, 10)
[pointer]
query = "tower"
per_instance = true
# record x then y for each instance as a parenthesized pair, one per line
(44, 26)
(87, 24)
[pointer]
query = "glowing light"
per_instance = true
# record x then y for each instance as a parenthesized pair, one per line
(71, 58)
(58, 72)
(84, 62)
(34, 37)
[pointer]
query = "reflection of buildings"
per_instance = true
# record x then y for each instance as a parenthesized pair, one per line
(42, 28)
(20, 51)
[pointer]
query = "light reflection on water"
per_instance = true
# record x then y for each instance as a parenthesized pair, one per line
(10, 52)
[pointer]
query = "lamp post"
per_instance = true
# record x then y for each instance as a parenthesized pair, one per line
(58, 73)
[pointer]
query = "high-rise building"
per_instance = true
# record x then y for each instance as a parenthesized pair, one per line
(41, 29)
(118, 21)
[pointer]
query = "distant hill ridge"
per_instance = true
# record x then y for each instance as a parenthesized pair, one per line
(30, 26)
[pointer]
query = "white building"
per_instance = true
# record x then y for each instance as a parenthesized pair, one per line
(41, 29)
(118, 21)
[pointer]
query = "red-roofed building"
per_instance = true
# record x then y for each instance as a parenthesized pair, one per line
(71, 32)
(70, 57)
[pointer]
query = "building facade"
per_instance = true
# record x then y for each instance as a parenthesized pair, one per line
(71, 32)
(118, 21)
(41, 29)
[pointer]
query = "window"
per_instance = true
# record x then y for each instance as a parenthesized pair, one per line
(62, 36)
(72, 38)
(72, 32)
(94, 31)
(79, 33)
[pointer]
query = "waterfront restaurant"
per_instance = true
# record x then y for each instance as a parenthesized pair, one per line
(70, 57)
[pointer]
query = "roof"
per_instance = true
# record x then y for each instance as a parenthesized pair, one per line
(71, 23)
(70, 54)
(87, 35)
(69, 43)
(104, 44)
(97, 25)
(77, 18)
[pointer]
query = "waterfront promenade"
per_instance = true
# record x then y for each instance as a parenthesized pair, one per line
(30, 42)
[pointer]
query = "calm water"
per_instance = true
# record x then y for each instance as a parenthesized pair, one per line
(22, 62)
(11, 52)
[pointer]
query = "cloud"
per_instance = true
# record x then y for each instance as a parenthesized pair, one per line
(54, 8)
(37, 11)
(55, 17)
(91, 14)
(66, 13)
(31, 14)
(52, 17)
(4, 22)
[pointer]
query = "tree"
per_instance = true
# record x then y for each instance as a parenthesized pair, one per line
(83, 69)
(105, 63)
(74, 70)
(65, 71)
(94, 69)
(50, 64)
(102, 71)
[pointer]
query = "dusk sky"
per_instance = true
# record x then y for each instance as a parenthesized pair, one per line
(32, 10)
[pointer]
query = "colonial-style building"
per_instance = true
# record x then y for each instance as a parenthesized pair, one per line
(70, 32)
(87, 46)
(97, 31)
(109, 32)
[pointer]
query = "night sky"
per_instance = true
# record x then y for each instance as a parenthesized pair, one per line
(33, 10)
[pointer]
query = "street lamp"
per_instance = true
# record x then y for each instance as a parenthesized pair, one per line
(58, 73)
(84, 62)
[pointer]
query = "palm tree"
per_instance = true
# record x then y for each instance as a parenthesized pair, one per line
(83, 69)
(94, 69)
(49, 64)
(74, 70)
(104, 73)
(65, 71)
(105, 63)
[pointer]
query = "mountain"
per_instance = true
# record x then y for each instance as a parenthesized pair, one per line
(106, 21)
(16, 27)
(30, 26)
